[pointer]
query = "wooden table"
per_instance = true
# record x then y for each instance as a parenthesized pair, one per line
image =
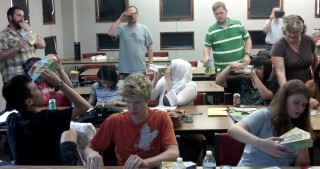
(87, 61)
(197, 71)
(208, 87)
(121, 167)
(202, 123)
(202, 86)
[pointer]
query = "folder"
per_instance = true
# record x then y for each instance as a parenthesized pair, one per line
(217, 111)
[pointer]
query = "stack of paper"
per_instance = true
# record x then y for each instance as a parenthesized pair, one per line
(160, 58)
(170, 165)
(247, 70)
(98, 57)
(297, 138)
(217, 111)
(157, 68)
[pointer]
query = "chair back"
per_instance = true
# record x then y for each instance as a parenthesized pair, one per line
(88, 55)
(62, 100)
(201, 99)
(150, 76)
(228, 151)
(91, 77)
(194, 63)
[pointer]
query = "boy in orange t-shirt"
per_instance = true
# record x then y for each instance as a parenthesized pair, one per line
(143, 137)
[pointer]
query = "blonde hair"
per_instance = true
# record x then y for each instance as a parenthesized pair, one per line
(136, 84)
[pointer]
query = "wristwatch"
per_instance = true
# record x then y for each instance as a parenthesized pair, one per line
(247, 53)
(59, 85)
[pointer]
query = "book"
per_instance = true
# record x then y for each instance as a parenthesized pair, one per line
(49, 62)
(247, 70)
(29, 35)
(217, 111)
(98, 57)
(297, 138)
(210, 70)
(170, 165)
(157, 68)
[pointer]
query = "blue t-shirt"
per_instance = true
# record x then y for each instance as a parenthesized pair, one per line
(104, 95)
(133, 42)
(259, 123)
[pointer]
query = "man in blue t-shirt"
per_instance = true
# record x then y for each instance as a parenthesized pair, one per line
(135, 40)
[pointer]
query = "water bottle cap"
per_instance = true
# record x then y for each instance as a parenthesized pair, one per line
(209, 152)
(179, 159)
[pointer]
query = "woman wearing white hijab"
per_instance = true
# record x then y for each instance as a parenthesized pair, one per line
(175, 88)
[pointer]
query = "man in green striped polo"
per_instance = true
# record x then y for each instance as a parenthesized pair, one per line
(229, 40)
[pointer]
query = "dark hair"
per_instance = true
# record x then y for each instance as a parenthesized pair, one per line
(108, 72)
(12, 10)
(16, 92)
(266, 63)
(132, 7)
(27, 65)
(279, 110)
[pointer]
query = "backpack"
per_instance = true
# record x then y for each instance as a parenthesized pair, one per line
(97, 115)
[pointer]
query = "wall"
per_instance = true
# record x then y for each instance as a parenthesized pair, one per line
(203, 18)
(75, 21)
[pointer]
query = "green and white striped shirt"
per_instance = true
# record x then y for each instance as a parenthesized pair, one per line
(227, 43)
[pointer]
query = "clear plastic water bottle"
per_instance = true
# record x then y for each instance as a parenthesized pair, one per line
(209, 162)
(179, 164)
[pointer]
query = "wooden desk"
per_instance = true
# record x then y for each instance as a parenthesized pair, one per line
(202, 123)
(202, 86)
(55, 167)
(87, 61)
(120, 167)
(198, 71)
(208, 87)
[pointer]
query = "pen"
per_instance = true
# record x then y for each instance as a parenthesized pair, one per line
(196, 113)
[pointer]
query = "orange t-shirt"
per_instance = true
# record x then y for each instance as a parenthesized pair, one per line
(147, 139)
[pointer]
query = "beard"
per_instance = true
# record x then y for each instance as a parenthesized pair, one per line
(15, 24)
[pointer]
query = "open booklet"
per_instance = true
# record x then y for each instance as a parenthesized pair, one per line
(297, 138)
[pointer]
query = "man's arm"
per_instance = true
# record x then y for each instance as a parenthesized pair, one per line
(206, 54)
(40, 43)
(6, 54)
(64, 77)
(267, 26)
(150, 54)
(247, 47)
(80, 104)
(93, 158)
(112, 32)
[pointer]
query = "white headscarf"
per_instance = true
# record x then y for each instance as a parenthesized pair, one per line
(181, 74)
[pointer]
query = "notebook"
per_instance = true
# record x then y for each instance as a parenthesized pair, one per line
(217, 111)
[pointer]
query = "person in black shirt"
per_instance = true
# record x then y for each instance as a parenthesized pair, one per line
(34, 135)
(255, 89)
